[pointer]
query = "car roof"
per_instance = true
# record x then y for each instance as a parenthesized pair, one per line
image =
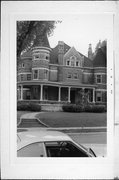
(28, 137)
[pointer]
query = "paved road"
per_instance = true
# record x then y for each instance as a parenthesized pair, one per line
(96, 141)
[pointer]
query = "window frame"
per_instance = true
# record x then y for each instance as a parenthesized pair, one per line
(34, 74)
(68, 75)
(75, 76)
(72, 143)
(27, 77)
(97, 97)
(67, 62)
(98, 78)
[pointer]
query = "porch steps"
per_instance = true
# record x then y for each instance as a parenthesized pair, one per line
(27, 123)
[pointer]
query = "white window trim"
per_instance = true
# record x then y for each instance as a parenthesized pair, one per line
(24, 73)
(101, 96)
(35, 68)
(75, 60)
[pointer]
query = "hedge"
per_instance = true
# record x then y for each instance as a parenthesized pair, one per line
(95, 108)
(28, 106)
(72, 108)
(87, 108)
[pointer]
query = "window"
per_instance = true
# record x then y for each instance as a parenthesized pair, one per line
(28, 77)
(63, 149)
(99, 96)
(45, 74)
(22, 77)
(32, 150)
(22, 65)
(36, 57)
(68, 63)
(69, 75)
(75, 76)
(72, 63)
(77, 63)
(35, 76)
(99, 78)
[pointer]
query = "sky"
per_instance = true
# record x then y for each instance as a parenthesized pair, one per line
(79, 31)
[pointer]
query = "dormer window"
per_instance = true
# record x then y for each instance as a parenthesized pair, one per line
(77, 63)
(68, 63)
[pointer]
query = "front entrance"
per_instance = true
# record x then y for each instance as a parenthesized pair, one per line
(73, 96)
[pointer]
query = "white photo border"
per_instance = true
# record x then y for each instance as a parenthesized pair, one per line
(49, 168)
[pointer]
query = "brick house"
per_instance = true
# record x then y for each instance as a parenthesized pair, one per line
(60, 74)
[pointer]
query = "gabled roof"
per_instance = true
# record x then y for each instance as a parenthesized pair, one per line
(72, 51)
(100, 59)
(54, 53)
(54, 56)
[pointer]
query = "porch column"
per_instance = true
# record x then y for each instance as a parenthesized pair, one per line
(59, 94)
(93, 95)
(69, 90)
(83, 89)
(21, 92)
(41, 92)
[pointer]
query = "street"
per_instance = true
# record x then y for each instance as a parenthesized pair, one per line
(96, 141)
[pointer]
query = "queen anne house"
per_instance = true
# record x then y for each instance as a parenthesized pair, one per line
(58, 75)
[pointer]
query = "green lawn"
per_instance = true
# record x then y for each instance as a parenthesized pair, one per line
(64, 119)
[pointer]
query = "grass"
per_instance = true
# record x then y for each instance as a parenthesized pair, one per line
(64, 119)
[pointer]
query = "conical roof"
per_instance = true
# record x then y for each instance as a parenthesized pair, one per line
(41, 41)
(100, 59)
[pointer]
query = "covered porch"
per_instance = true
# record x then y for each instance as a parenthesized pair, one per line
(55, 93)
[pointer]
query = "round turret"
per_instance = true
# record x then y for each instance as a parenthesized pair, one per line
(40, 58)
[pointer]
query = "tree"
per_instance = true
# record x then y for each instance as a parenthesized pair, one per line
(28, 30)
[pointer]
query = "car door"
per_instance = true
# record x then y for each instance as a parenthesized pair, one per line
(32, 150)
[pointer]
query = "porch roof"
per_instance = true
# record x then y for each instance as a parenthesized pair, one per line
(58, 84)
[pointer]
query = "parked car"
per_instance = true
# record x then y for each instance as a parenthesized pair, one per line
(46, 143)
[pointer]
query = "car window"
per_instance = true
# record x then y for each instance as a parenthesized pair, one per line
(63, 149)
(32, 150)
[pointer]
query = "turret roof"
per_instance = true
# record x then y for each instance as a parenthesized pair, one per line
(100, 59)
(41, 40)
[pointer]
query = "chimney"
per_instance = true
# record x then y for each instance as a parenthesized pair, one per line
(60, 52)
(90, 53)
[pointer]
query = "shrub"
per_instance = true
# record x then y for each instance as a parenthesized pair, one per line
(72, 108)
(34, 107)
(95, 108)
(28, 106)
